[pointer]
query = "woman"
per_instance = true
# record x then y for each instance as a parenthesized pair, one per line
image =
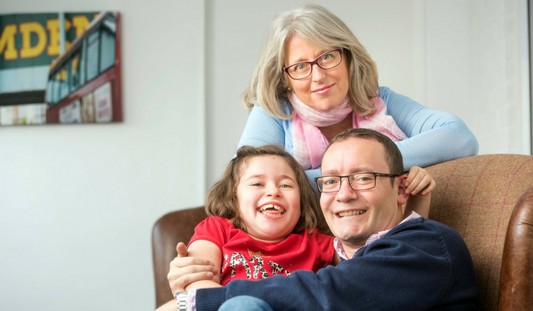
(314, 80)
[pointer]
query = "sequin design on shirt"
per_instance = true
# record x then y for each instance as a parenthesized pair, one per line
(259, 267)
(257, 263)
(275, 267)
(238, 259)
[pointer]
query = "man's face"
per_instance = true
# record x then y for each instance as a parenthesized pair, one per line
(372, 210)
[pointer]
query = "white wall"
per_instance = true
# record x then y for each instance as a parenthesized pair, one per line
(77, 203)
(495, 75)
(473, 68)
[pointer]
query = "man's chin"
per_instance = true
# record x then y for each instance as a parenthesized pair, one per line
(351, 240)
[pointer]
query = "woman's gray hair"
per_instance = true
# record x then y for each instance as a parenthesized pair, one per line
(323, 30)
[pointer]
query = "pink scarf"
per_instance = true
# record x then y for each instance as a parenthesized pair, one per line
(310, 144)
(321, 118)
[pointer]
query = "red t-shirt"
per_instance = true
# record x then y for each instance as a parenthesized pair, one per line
(243, 257)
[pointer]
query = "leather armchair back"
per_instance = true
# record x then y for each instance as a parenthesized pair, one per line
(170, 229)
(476, 196)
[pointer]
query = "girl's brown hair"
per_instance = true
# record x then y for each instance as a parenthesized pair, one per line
(221, 200)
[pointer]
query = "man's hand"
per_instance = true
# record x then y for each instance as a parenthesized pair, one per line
(185, 270)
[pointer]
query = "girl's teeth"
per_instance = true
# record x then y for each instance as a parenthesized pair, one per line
(271, 209)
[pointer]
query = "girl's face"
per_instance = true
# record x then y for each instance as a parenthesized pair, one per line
(269, 198)
(323, 89)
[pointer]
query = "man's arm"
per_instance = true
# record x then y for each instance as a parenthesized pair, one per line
(418, 265)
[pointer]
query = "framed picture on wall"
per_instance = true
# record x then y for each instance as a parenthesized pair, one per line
(60, 68)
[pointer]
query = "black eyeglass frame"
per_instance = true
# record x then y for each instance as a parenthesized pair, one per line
(286, 69)
(376, 175)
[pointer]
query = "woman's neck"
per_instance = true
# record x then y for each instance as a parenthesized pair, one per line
(333, 130)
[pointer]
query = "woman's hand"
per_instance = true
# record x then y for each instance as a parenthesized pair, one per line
(185, 270)
(419, 181)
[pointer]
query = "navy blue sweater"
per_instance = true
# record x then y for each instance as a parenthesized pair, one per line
(418, 265)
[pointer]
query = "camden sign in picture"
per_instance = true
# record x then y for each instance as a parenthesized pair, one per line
(60, 68)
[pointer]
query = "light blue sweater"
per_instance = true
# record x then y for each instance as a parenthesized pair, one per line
(433, 136)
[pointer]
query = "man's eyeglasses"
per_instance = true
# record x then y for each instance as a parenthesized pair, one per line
(358, 181)
(302, 70)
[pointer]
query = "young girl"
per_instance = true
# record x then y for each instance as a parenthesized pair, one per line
(265, 220)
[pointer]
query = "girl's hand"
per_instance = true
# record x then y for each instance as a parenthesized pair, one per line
(185, 270)
(419, 181)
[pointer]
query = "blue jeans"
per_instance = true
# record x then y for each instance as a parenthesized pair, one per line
(248, 303)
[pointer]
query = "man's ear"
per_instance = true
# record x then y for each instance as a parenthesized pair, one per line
(402, 196)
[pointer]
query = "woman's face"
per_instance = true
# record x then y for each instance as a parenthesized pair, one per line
(323, 89)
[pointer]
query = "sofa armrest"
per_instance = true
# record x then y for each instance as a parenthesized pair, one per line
(516, 280)
(170, 229)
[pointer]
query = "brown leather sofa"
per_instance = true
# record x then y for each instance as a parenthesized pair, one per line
(488, 199)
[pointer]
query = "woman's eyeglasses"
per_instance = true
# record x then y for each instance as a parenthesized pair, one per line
(302, 70)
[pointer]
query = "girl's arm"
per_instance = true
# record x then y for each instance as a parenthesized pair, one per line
(419, 204)
(208, 251)
(185, 270)
(433, 136)
(203, 272)
(419, 184)
(188, 269)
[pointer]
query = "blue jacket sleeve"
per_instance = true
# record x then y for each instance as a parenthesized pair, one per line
(433, 136)
(418, 265)
(262, 129)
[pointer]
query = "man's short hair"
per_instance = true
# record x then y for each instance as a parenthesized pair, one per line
(392, 153)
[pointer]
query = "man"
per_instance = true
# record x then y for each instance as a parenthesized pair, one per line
(390, 263)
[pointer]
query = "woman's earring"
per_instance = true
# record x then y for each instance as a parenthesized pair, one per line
(289, 89)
